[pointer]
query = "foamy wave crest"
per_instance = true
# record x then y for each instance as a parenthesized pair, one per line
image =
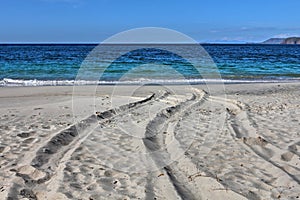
(7, 82)
(19, 82)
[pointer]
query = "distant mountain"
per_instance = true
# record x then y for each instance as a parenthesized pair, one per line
(274, 41)
(290, 40)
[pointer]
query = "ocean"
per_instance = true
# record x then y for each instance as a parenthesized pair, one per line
(59, 64)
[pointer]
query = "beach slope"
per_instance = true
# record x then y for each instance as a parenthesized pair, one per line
(172, 142)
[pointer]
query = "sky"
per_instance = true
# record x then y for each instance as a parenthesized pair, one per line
(89, 21)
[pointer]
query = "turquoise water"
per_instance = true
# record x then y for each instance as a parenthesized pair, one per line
(59, 64)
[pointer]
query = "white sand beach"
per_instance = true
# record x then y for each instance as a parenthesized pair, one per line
(174, 142)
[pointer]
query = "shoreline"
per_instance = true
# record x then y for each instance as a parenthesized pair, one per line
(229, 85)
(40, 83)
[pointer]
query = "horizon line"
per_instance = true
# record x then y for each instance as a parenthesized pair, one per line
(121, 43)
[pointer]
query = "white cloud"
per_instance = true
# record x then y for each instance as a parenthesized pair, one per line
(214, 31)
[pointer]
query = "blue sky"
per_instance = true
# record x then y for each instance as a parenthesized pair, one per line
(95, 20)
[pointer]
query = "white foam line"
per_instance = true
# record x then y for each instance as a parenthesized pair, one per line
(7, 82)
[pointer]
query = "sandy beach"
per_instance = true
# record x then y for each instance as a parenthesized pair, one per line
(173, 142)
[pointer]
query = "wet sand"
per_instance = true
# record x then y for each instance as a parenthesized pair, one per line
(172, 142)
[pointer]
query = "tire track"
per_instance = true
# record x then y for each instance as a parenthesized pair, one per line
(155, 143)
(240, 126)
(128, 155)
(62, 145)
(199, 180)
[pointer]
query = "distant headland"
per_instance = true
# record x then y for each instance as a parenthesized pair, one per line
(289, 40)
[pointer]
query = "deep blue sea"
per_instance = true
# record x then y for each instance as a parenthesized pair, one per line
(27, 65)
